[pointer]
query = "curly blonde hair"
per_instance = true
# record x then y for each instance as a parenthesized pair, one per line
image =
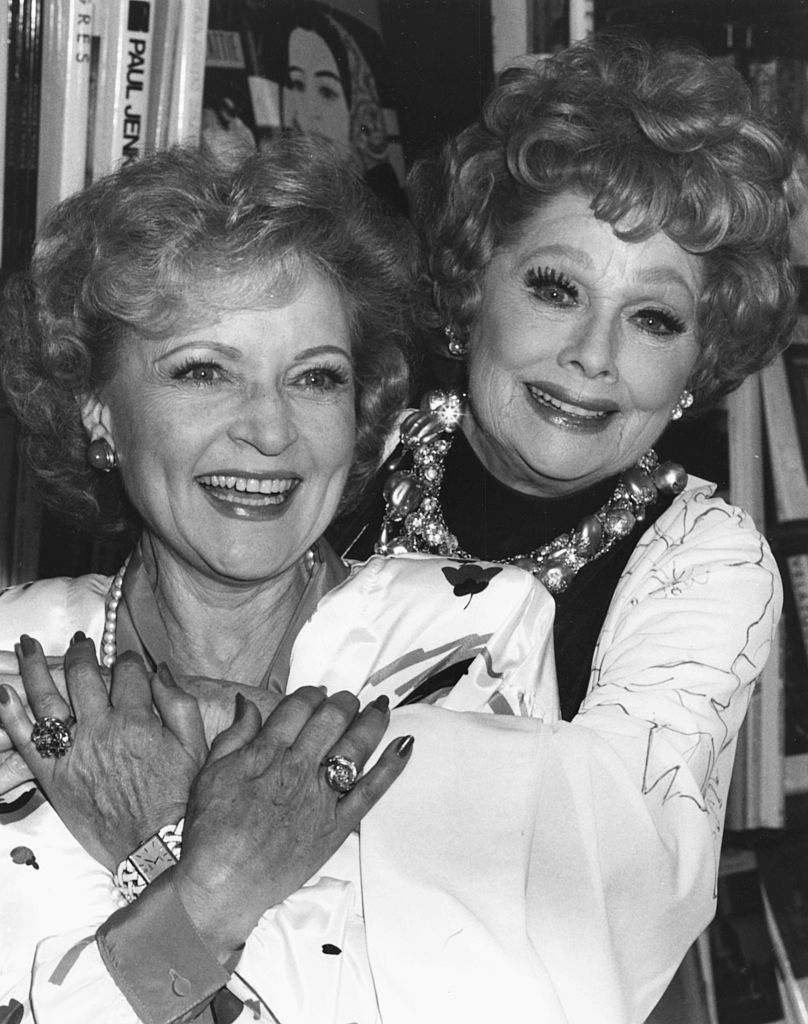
(154, 247)
(662, 139)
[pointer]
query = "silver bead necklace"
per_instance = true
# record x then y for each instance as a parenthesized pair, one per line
(414, 521)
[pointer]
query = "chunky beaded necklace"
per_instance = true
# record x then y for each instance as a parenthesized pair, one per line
(414, 521)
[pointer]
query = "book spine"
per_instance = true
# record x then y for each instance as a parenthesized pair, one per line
(185, 120)
(122, 110)
(794, 1006)
(789, 475)
(757, 791)
(22, 132)
(65, 98)
(787, 465)
(8, 451)
(109, 29)
(166, 31)
(5, 43)
(798, 574)
(756, 796)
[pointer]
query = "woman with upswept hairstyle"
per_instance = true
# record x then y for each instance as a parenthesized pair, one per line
(607, 252)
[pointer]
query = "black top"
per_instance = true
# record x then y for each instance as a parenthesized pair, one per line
(492, 521)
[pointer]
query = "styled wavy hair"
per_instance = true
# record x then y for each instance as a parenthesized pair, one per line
(661, 139)
(169, 241)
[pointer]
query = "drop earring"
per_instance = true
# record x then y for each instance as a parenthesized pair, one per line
(100, 455)
(456, 346)
(684, 402)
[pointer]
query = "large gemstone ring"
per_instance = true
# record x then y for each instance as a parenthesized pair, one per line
(341, 773)
(51, 736)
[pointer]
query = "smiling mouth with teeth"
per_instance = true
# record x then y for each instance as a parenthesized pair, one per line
(248, 490)
(565, 408)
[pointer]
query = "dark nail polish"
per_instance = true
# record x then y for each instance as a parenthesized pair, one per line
(5, 696)
(27, 645)
(404, 745)
(382, 703)
(126, 656)
(78, 636)
(241, 706)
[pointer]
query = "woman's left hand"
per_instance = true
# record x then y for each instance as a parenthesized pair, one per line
(128, 770)
(13, 769)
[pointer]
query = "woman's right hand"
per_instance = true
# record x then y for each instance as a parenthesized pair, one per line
(126, 770)
(214, 697)
(261, 818)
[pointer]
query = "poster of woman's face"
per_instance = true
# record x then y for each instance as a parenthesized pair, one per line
(309, 67)
(314, 97)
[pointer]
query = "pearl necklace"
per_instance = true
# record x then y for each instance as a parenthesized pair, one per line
(109, 641)
(109, 638)
(413, 517)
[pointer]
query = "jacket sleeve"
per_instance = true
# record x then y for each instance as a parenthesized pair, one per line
(605, 831)
(685, 640)
(144, 964)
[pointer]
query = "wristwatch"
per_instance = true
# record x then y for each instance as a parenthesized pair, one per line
(154, 856)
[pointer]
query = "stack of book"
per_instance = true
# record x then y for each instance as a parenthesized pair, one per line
(85, 86)
(121, 79)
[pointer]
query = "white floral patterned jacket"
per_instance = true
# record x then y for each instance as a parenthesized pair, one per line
(522, 868)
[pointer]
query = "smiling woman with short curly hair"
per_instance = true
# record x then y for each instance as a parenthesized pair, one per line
(666, 143)
(171, 242)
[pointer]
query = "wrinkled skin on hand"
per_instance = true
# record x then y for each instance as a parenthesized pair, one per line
(215, 697)
(129, 769)
(260, 819)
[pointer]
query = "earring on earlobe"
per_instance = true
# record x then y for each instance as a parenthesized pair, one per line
(684, 402)
(100, 455)
(456, 345)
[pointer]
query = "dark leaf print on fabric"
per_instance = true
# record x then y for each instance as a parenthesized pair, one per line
(11, 1013)
(226, 1007)
(21, 807)
(470, 578)
(24, 855)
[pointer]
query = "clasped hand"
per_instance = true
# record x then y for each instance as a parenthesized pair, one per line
(130, 767)
(260, 818)
(214, 697)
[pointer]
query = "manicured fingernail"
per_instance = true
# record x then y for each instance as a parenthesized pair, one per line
(164, 674)
(78, 636)
(5, 696)
(404, 745)
(241, 706)
(27, 645)
(125, 656)
(381, 703)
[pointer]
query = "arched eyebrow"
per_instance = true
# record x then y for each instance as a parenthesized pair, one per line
(320, 350)
(317, 74)
(578, 256)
